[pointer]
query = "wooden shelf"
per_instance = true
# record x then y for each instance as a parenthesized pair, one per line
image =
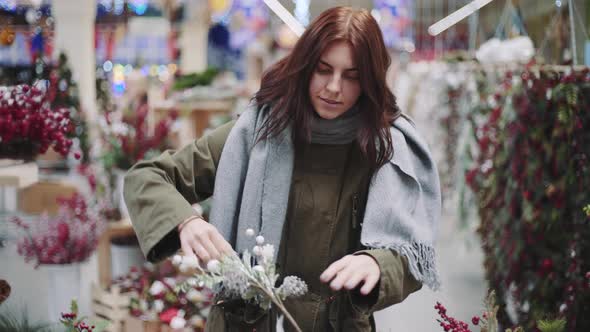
(199, 105)
(18, 175)
(197, 112)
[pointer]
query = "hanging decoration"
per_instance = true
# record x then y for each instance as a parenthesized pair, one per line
(36, 42)
(7, 36)
(39, 34)
(220, 9)
(395, 18)
(139, 7)
(219, 36)
(173, 47)
(248, 18)
(8, 5)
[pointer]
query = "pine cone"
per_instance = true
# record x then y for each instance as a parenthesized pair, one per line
(4, 290)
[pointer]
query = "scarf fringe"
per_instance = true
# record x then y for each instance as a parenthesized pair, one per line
(421, 262)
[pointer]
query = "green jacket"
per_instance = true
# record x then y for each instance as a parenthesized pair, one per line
(327, 198)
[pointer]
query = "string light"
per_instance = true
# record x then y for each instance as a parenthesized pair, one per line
(128, 69)
(107, 66)
(9, 5)
(119, 6)
(139, 6)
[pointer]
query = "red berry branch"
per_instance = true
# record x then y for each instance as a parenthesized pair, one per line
(450, 324)
(70, 236)
(73, 323)
(531, 176)
(130, 139)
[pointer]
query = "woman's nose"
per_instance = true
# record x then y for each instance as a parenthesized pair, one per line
(334, 84)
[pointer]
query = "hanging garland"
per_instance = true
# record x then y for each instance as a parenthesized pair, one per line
(532, 178)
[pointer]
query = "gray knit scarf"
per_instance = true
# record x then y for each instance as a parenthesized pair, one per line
(403, 205)
(341, 130)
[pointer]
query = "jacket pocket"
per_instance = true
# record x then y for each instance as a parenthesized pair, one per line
(239, 316)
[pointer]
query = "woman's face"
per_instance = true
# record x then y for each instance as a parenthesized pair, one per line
(334, 87)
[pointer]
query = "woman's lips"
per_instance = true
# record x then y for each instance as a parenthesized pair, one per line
(329, 101)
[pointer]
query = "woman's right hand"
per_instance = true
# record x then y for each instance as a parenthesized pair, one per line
(201, 238)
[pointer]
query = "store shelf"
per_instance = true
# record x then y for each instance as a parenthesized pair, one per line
(19, 175)
(198, 113)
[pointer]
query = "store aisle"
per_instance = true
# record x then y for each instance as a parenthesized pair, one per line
(462, 292)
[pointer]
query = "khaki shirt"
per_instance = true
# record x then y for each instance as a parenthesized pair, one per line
(328, 194)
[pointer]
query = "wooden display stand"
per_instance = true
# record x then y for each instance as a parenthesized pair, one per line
(112, 306)
(134, 324)
(42, 196)
(18, 175)
(120, 228)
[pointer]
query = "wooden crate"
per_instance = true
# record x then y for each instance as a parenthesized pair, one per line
(111, 305)
(134, 324)
(119, 228)
(42, 196)
(16, 174)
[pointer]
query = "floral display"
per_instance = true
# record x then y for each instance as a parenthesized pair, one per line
(69, 237)
(73, 323)
(101, 186)
(154, 297)
(128, 139)
(488, 321)
(252, 278)
(30, 126)
(531, 177)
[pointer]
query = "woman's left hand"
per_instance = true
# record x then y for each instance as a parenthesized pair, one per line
(350, 271)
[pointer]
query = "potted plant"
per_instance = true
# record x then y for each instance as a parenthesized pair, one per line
(30, 126)
(59, 244)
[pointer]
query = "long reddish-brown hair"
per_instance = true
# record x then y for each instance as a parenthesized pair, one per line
(285, 85)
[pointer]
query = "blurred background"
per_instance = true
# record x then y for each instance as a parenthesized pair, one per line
(499, 88)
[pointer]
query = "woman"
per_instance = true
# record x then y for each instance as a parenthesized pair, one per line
(324, 166)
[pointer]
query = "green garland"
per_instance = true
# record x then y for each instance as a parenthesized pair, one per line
(532, 181)
(187, 81)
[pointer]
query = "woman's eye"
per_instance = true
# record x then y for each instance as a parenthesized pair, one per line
(351, 77)
(323, 70)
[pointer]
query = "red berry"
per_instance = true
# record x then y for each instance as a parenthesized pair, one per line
(547, 264)
(475, 320)
(63, 231)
